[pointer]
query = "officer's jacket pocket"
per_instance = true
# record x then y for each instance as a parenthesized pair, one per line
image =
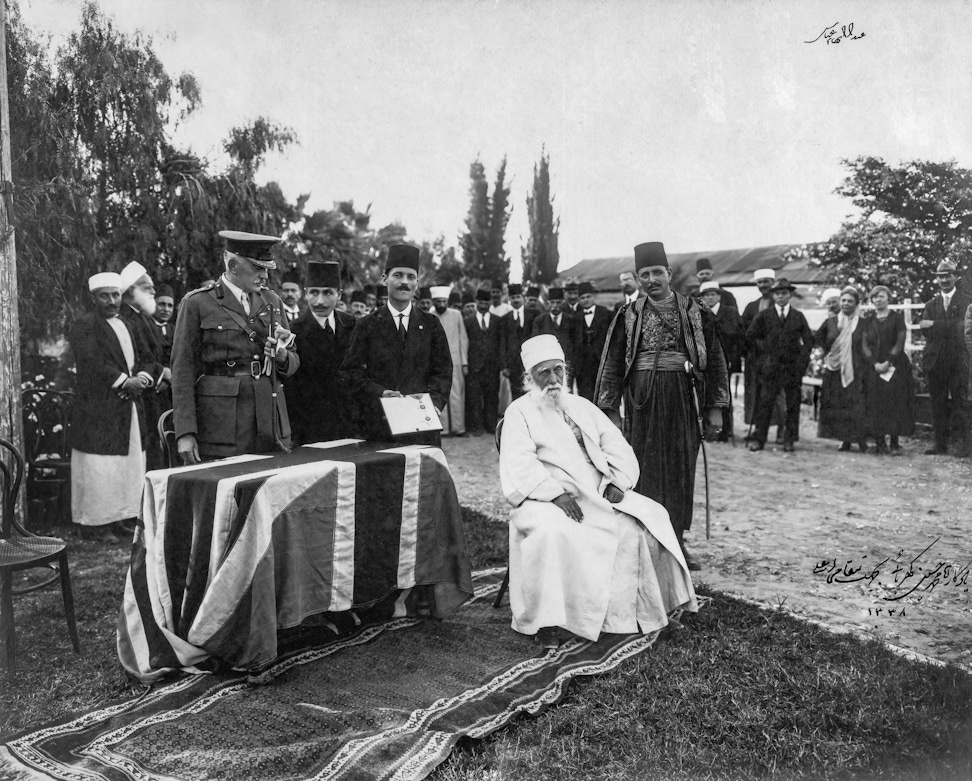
(216, 400)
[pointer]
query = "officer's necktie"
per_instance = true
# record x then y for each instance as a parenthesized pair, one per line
(401, 326)
(245, 300)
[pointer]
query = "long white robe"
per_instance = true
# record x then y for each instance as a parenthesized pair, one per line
(620, 569)
(453, 417)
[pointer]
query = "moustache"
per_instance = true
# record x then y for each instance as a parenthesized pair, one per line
(403, 288)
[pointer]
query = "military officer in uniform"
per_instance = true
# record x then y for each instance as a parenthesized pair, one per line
(228, 350)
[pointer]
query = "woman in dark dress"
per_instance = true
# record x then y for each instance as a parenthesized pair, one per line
(890, 399)
(842, 393)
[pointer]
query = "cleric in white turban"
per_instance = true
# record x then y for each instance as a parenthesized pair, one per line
(587, 553)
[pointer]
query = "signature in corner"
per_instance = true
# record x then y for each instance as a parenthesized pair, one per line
(905, 578)
(833, 35)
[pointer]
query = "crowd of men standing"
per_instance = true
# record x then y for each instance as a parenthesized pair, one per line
(248, 370)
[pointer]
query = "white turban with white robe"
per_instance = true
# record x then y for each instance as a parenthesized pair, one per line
(620, 569)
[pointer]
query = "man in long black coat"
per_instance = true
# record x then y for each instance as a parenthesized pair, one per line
(318, 397)
(137, 308)
(114, 370)
(732, 335)
(487, 358)
(782, 339)
(593, 323)
(519, 328)
(560, 323)
(385, 361)
(946, 362)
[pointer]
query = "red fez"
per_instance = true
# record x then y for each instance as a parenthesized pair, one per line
(651, 253)
(402, 256)
(555, 294)
(483, 295)
(323, 274)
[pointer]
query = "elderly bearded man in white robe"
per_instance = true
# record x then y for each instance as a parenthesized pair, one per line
(587, 553)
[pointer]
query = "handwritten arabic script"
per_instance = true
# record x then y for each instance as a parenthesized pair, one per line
(833, 35)
(894, 579)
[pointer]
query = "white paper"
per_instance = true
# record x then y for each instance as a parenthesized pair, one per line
(886, 376)
(409, 414)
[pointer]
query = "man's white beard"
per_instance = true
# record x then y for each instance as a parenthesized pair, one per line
(144, 302)
(552, 396)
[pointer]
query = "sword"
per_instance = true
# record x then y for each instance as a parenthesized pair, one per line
(274, 423)
(705, 456)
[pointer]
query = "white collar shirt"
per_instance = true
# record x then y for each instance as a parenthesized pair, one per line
(589, 316)
(238, 294)
(783, 311)
(322, 321)
(401, 318)
(947, 298)
(715, 309)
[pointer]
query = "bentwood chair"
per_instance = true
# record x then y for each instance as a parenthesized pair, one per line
(497, 438)
(167, 439)
(47, 424)
(20, 550)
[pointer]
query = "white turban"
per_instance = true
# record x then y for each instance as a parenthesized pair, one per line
(764, 273)
(540, 348)
(133, 272)
(708, 286)
(104, 279)
(441, 291)
(830, 292)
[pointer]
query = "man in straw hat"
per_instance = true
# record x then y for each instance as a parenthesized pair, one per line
(946, 362)
(588, 554)
(318, 399)
(453, 417)
(664, 358)
(398, 350)
(782, 340)
(114, 370)
(231, 344)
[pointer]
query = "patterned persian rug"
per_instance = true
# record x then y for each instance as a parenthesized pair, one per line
(384, 701)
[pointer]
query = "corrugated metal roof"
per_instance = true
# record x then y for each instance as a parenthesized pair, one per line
(732, 267)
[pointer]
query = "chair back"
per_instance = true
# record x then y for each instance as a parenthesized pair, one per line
(12, 473)
(167, 439)
(47, 424)
(498, 434)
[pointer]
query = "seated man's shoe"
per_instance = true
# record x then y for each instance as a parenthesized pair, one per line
(844, 447)
(690, 561)
(755, 445)
(788, 447)
(548, 638)
(423, 601)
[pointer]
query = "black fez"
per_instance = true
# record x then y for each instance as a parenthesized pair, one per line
(164, 291)
(402, 256)
(455, 297)
(555, 294)
(483, 294)
(324, 274)
(702, 264)
(425, 292)
(571, 286)
(533, 292)
(381, 293)
(293, 277)
(252, 246)
(467, 298)
(359, 297)
(651, 253)
(585, 288)
(514, 289)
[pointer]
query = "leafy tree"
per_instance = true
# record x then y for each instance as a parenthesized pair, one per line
(911, 217)
(496, 265)
(541, 256)
(474, 241)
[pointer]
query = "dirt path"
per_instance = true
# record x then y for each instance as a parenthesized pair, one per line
(777, 517)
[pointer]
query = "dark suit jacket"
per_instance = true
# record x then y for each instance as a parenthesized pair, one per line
(568, 334)
(516, 335)
(102, 421)
(782, 346)
(487, 350)
(590, 341)
(729, 326)
(376, 362)
(944, 341)
(318, 397)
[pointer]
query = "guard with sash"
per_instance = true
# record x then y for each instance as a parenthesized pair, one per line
(229, 350)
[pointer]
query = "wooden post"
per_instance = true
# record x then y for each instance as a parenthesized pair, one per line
(11, 424)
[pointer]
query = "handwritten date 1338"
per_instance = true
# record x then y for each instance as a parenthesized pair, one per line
(833, 35)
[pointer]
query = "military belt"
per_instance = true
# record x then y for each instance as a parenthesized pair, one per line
(232, 369)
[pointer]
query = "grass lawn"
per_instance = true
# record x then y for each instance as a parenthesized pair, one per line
(738, 693)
